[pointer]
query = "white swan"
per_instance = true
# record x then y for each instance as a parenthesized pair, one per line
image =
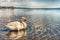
(17, 25)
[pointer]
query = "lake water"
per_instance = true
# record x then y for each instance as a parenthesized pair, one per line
(42, 24)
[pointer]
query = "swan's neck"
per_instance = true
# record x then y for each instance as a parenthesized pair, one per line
(24, 24)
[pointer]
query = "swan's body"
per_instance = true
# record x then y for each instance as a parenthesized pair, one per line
(17, 25)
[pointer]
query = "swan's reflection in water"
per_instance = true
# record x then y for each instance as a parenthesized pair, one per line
(16, 34)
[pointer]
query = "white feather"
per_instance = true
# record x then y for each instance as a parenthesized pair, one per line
(16, 25)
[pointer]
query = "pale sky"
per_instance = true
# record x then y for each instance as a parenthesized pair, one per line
(31, 3)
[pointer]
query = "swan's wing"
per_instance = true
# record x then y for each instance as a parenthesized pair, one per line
(13, 23)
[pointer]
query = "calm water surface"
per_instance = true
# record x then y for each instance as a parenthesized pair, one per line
(42, 25)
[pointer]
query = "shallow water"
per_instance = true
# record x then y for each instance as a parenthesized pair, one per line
(42, 25)
(46, 32)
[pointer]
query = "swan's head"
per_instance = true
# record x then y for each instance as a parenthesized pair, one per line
(23, 19)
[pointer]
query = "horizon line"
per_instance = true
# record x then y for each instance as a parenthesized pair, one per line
(11, 7)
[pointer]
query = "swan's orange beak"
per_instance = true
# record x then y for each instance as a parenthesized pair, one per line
(25, 20)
